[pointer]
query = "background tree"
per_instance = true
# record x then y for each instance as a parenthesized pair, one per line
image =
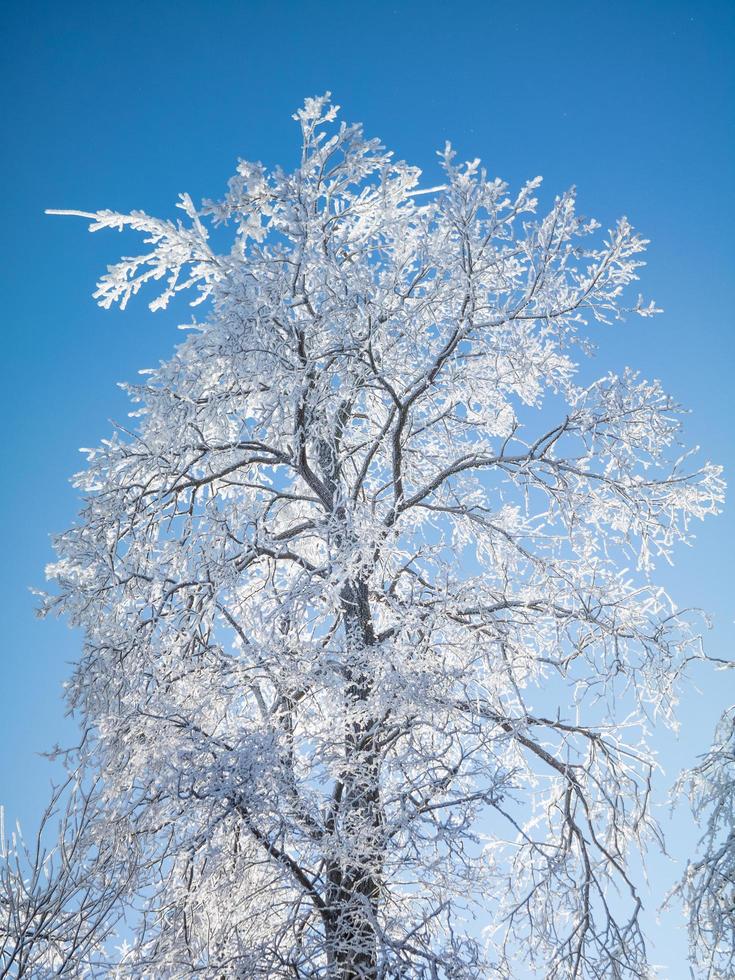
(60, 904)
(708, 886)
(371, 645)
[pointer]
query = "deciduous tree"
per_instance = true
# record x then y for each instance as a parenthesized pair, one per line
(708, 886)
(371, 639)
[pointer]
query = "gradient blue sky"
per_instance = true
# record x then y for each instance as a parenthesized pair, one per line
(124, 105)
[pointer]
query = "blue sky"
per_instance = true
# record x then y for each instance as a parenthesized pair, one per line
(124, 105)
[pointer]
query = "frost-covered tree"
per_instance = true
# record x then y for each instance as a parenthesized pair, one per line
(708, 887)
(58, 905)
(371, 642)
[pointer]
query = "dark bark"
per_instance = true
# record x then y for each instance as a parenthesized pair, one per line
(354, 882)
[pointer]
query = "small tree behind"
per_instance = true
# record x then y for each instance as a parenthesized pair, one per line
(708, 886)
(371, 643)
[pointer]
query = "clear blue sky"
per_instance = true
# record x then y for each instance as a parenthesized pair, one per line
(124, 105)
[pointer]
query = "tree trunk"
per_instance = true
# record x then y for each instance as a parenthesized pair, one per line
(355, 882)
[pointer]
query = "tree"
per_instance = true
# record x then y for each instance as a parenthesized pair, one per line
(708, 886)
(371, 645)
(59, 905)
